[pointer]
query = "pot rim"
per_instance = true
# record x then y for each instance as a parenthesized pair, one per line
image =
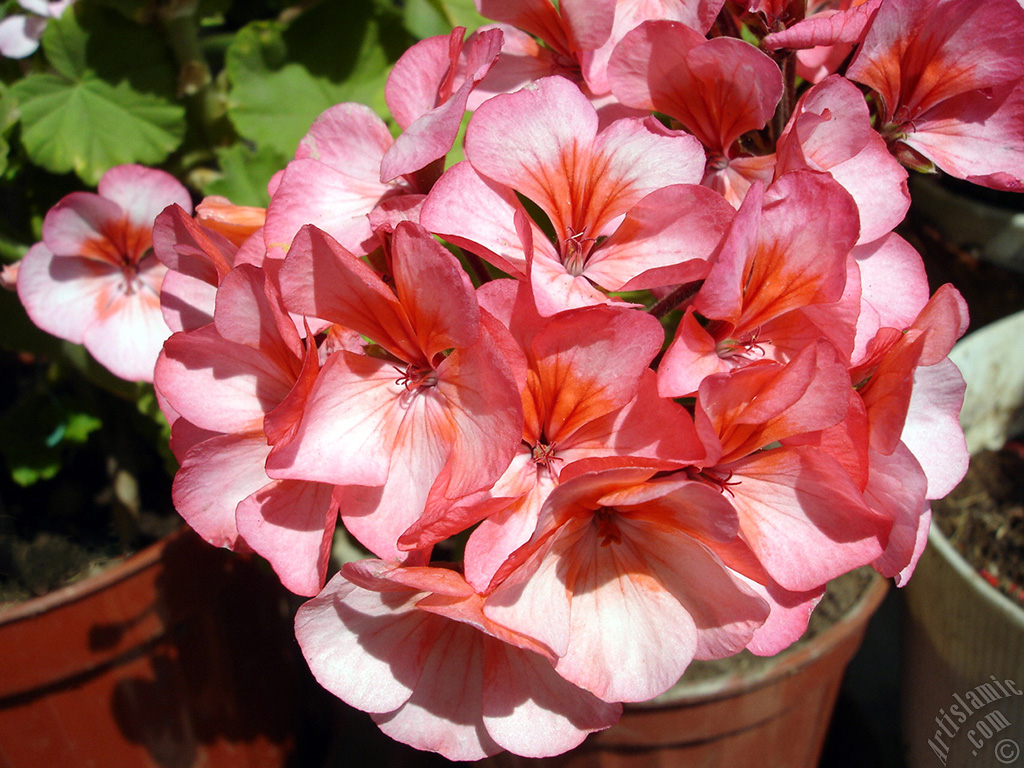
(121, 570)
(787, 662)
(999, 602)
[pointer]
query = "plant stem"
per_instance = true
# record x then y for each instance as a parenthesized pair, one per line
(195, 82)
(681, 294)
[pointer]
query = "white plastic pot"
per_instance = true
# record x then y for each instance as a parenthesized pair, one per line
(963, 645)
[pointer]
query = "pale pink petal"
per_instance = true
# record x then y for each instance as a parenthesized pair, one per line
(932, 429)
(756, 405)
(219, 385)
(184, 246)
(443, 713)
(896, 488)
(483, 416)
(19, 35)
(291, 524)
(957, 46)
(792, 254)
(719, 89)
(431, 134)
(803, 517)
(418, 78)
(588, 23)
(337, 627)
(526, 140)
(789, 613)
(577, 383)
(503, 532)
(337, 202)
(249, 312)
(649, 426)
(629, 14)
(186, 302)
(350, 138)
(417, 455)
(692, 357)
(977, 136)
(530, 710)
(78, 226)
(215, 475)
(478, 215)
(321, 278)
(733, 177)
(434, 290)
(831, 131)
(142, 193)
(826, 28)
(355, 396)
(665, 239)
(129, 331)
(556, 290)
(894, 287)
(62, 294)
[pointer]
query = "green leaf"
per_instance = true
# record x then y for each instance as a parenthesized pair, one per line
(90, 126)
(245, 173)
(283, 77)
(111, 101)
(95, 40)
(79, 426)
(426, 18)
(34, 431)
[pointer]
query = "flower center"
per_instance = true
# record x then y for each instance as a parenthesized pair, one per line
(748, 347)
(543, 454)
(576, 249)
(415, 378)
(607, 529)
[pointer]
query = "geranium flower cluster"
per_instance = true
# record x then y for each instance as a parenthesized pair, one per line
(624, 387)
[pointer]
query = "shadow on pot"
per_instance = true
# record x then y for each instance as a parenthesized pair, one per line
(181, 656)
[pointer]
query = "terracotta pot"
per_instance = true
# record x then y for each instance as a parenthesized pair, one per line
(960, 632)
(180, 656)
(776, 717)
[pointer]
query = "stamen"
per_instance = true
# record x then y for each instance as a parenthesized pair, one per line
(415, 378)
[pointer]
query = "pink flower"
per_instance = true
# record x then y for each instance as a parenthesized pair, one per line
(800, 511)
(412, 646)
(431, 392)
(830, 130)
(589, 393)
(577, 40)
(784, 261)
(228, 382)
(949, 75)
(622, 582)
(825, 38)
(94, 280)
(626, 210)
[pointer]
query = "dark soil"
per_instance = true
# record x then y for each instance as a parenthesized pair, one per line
(110, 498)
(984, 518)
